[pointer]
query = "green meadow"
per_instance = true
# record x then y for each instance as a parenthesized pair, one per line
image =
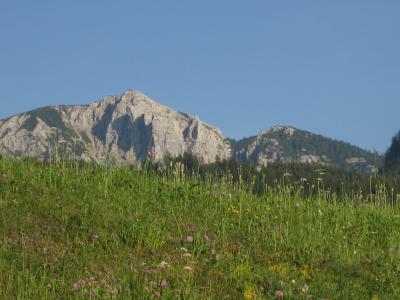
(71, 231)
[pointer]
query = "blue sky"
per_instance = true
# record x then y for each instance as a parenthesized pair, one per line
(330, 67)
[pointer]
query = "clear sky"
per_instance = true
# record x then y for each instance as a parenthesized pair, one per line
(330, 67)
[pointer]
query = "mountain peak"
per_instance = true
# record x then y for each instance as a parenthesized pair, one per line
(288, 130)
(132, 92)
(126, 127)
(288, 144)
(128, 98)
(130, 95)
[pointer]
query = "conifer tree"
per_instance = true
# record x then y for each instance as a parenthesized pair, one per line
(392, 156)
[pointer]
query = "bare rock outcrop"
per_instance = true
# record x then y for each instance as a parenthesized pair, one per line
(127, 128)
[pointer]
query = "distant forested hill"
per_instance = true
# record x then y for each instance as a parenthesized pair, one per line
(283, 144)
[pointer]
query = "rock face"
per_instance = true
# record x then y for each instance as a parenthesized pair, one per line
(285, 144)
(128, 128)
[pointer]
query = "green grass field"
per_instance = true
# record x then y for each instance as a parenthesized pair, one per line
(80, 232)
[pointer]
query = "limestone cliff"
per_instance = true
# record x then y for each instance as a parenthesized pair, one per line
(127, 128)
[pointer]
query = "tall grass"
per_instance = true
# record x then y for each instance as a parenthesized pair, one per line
(70, 231)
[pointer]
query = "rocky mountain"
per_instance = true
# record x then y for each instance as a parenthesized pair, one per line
(285, 144)
(127, 128)
(131, 127)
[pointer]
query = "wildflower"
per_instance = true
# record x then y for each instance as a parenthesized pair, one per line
(157, 294)
(76, 286)
(304, 289)
(187, 268)
(214, 194)
(189, 239)
(279, 294)
(248, 293)
(163, 264)
(206, 238)
(164, 283)
(152, 284)
(226, 194)
(235, 210)
(184, 249)
(187, 255)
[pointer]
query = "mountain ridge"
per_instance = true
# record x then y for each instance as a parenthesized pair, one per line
(131, 127)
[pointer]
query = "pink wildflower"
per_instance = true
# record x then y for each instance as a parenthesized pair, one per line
(75, 286)
(157, 294)
(279, 294)
(189, 238)
(164, 283)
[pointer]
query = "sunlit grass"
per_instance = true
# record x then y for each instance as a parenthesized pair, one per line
(69, 231)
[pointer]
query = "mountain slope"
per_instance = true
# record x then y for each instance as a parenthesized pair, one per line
(288, 144)
(127, 128)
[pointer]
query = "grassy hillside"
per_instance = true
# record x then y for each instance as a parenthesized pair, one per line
(81, 232)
